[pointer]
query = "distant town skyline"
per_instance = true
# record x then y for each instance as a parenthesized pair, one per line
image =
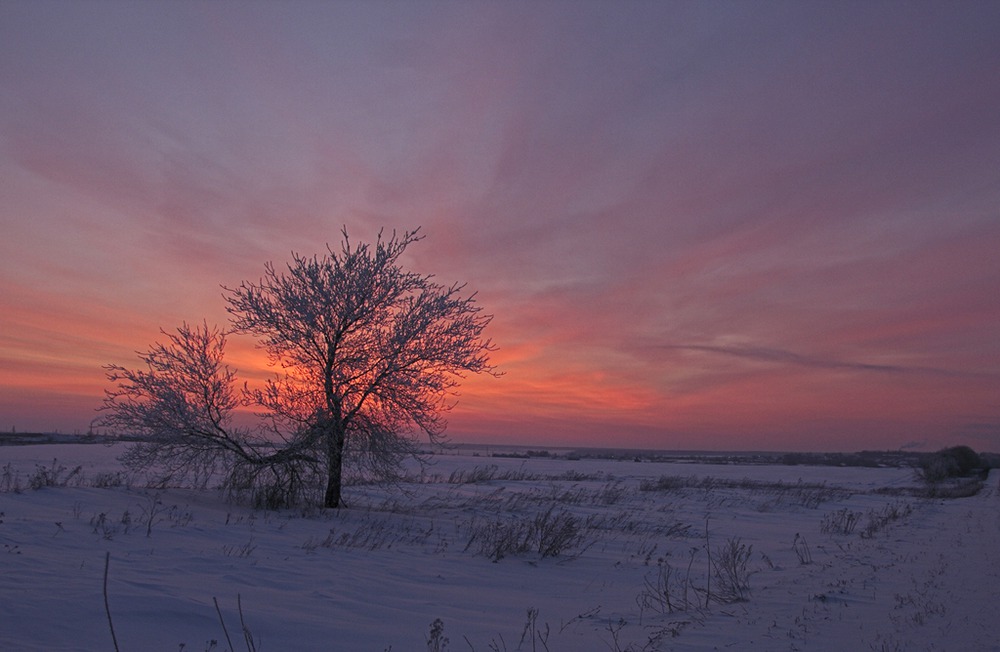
(699, 225)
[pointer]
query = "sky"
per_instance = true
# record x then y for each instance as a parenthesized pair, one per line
(698, 225)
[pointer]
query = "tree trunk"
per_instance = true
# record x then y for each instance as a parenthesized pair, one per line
(334, 470)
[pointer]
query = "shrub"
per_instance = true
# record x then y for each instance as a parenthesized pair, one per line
(801, 549)
(107, 480)
(960, 488)
(954, 462)
(55, 475)
(9, 480)
(549, 534)
(842, 521)
(556, 533)
(878, 520)
(806, 494)
(667, 483)
(731, 572)
(436, 640)
(664, 591)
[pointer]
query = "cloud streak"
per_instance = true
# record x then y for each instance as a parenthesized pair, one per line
(783, 357)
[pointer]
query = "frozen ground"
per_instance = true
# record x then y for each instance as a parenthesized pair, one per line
(628, 567)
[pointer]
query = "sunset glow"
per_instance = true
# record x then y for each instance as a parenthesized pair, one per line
(699, 225)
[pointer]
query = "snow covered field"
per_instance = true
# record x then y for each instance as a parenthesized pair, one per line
(493, 554)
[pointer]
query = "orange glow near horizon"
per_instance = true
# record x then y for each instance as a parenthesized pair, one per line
(765, 410)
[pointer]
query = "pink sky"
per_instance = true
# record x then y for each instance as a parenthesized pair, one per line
(708, 225)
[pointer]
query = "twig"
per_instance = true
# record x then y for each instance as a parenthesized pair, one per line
(221, 620)
(247, 636)
(708, 575)
(107, 607)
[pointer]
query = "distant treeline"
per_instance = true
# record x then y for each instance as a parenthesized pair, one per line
(26, 438)
(871, 459)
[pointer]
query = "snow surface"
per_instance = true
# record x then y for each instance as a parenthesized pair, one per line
(377, 575)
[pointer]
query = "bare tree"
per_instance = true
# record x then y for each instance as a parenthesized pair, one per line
(370, 356)
(180, 408)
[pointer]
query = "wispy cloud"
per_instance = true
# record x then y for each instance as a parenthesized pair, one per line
(785, 357)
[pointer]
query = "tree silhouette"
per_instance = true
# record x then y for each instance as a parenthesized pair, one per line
(368, 354)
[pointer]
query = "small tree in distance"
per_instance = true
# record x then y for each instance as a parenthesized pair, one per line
(368, 357)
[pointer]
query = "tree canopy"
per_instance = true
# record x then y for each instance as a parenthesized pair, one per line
(368, 357)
